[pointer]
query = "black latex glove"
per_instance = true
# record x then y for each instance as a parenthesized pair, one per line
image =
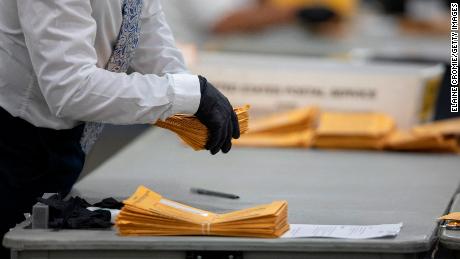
(217, 114)
(314, 15)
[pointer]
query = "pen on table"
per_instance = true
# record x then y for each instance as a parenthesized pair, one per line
(214, 193)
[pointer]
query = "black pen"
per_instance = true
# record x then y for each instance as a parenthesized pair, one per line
(214, 193)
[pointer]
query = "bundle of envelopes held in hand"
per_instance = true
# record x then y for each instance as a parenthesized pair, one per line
(193, 132)
(147, 213)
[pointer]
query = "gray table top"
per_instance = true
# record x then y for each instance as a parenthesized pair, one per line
(322, 187)
(451, 238)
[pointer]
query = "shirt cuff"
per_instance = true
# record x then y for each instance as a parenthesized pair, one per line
(187, 94)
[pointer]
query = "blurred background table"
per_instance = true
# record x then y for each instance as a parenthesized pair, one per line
(294, 41)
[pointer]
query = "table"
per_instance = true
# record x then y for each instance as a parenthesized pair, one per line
(322, 187)
(295, 41)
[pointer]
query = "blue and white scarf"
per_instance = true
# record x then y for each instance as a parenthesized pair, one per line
(120, 60)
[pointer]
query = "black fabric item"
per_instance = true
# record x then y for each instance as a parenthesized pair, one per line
(216, 113)
(312, 15)
(34, 161)
(73, 214)
(109, 203)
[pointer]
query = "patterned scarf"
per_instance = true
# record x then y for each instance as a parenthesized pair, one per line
(120, 60)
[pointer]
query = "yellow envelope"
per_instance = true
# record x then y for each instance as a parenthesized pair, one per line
(290, 121)
(355, 124)
(451, 216)
(442, 127)
(303, 139)
(349, 142)
(353, 130)
(408, 141)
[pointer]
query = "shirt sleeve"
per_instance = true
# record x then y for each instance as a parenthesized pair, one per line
(158, 54)
(60, 35)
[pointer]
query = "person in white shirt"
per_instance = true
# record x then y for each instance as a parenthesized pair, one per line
(53, 79)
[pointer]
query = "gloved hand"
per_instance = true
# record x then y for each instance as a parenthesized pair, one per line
(217, 114)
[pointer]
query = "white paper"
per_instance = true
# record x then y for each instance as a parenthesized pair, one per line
(343, 231)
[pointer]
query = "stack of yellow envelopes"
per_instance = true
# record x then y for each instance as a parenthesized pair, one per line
(353, 130)
(147, 213)
(411, 141)
(299, 139)
(448, 127)
(438, 136)
(287, 129)
(193, 132)
(290, 121)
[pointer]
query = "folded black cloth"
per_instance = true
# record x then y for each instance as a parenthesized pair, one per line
(73, 213)
(109, 203)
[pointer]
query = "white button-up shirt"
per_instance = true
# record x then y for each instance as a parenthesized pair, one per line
(52, 55)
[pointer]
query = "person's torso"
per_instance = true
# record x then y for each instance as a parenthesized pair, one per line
(19, 91)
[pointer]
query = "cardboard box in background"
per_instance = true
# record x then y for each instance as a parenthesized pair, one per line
(275, 83)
